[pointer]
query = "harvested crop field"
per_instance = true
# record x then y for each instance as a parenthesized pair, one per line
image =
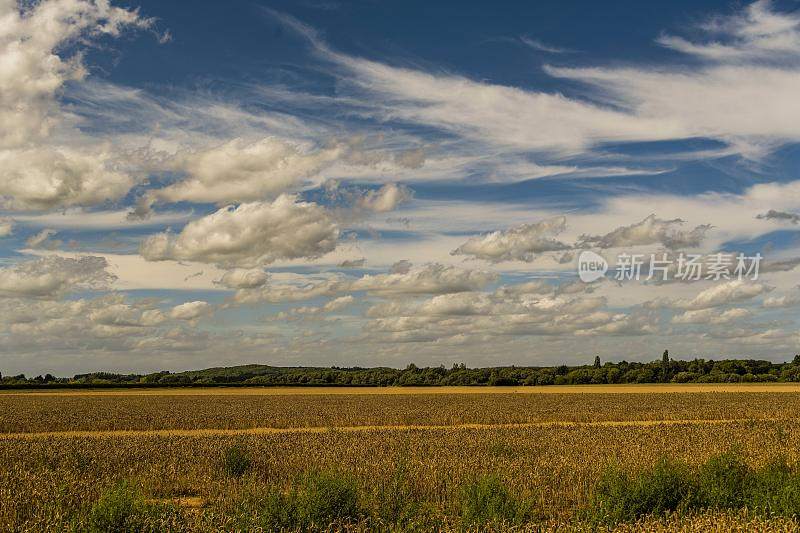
(200, 461)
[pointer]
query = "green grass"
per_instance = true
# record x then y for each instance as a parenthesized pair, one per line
(123, 509)
(333, 499)
(486, 500)
(235, 461)
(724, 482)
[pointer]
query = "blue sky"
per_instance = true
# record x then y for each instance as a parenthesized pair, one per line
(378, 183)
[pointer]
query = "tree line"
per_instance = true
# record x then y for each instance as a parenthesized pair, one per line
(664, 370)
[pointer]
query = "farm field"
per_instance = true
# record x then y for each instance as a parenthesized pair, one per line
(236, 460)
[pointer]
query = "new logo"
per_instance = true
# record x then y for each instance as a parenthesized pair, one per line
(591, 266)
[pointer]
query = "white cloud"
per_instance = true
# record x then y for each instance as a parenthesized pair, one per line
(249, 235)
(520, 243)
(432, 278)
(736, 97)
(336, 304)
(44, 178)
(121, 314)
(524, 310)
(543, 47)
(287, 292)
(503, 116)
(191, 310)
(36, 172)
(52, 277)
(711, 316)
(83, 219)
(385, 199)
(6, 226)
(780, 302)
(242, 171)
(40, 239)
(240, 278)
(651, 230)
(757, 32)
(32, 72)
(723, 294)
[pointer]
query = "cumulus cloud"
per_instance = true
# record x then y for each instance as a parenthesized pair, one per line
(32, 72)
(723, 294)
(432, 278)
(242, 171)
(353, 203)
(520, 243)
(122, 314)
(711, 316)
(111, 328)
(191, 310)
(622, 324)
(651, 230)
(385, 199)
(249, 235)
(781, 302)
(44, 178)
(523, 310)
(269, 293)
(239, 278)
(336, 304)
(36, 173)
(52, 277)
(409, 281)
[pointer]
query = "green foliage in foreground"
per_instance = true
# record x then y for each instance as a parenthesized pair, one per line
(123, 509)
(658, 371)
(724, 482)
(487, 501)
(235, 461)
(317, 500)
(333, 500)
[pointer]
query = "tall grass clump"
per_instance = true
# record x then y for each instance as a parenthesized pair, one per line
(724, 482)
(235, 461)
(316, 501)
(621, 496)
(396, 504)
(123, 509)
(486, 500)
(326, 497)
(775, 490)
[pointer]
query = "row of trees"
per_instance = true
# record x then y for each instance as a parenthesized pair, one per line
(659, 371)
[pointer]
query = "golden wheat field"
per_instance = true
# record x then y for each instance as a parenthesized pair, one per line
(226, 460)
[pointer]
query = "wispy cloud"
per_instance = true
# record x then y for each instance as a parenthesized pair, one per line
(536, 44)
